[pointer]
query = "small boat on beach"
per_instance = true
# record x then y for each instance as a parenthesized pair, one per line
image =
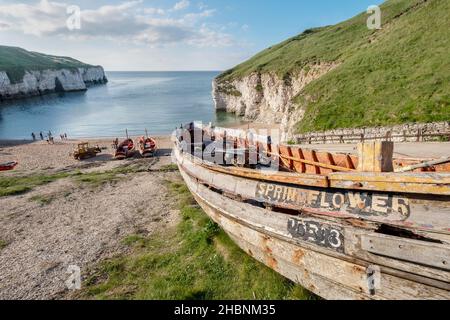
(8, 165)
(344, 226)
(125, 150)
(147, 147)
(85, 151)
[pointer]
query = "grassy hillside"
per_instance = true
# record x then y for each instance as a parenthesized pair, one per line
(15, 61)
(398, 74)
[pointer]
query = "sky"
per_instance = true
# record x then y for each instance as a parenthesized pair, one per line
(164, 35)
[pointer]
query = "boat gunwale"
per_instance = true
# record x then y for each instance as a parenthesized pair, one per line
(436, 183)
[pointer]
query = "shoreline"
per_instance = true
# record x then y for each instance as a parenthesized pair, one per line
(243, 126)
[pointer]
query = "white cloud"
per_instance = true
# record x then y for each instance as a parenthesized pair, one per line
(128, 21)
(152, 11)
(183, 4)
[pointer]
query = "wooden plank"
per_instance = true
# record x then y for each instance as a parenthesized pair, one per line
(316, 164)
(418, 183)
(376, 156)
(429, 254)
(349, 162)
(282, 177)
(424, 165)
(302, 164)
(354, 249)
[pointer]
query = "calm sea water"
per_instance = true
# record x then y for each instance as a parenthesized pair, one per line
(158, 101)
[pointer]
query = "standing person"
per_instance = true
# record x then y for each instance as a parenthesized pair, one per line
(65, 136)
(33, 136)
(116, 143)
(42, 136)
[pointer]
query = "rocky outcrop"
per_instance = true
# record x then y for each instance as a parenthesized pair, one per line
(35, 83)
(266, 97)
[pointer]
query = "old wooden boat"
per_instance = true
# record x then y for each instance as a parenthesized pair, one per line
(125, 150)
(8, 165)
(147, 147)
(344, 226)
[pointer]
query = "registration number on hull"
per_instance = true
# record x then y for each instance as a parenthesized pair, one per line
(323, 235)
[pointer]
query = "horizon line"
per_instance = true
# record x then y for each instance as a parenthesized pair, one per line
(164, 70)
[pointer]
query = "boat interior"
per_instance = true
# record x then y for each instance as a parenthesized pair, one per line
(246, 150)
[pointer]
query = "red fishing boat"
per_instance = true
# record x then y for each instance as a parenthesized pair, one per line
(147, 147)
(8, 165)
(124, 150)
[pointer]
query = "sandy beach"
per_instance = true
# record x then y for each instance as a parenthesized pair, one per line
(69, 221)
(40, 155)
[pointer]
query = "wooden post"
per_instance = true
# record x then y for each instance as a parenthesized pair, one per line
(376, 156)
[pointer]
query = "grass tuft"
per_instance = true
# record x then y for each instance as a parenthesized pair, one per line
(3, 244)
(43, 200)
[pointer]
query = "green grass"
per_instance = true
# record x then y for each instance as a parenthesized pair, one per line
(169, 168)
(14, 185)
(15, 61)
(195, 260)
(398, 74)
(97, 179)
(3, 244)
(43, 200)
(291, 143)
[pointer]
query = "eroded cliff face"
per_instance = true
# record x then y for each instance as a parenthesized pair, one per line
(35, 83)
(266, 97)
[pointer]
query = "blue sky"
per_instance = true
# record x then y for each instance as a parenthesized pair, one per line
(165, 34)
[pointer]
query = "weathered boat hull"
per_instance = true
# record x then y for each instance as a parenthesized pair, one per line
(8, 166)
(147, 147)
(333, 258)
(329, 276)
(125, 150)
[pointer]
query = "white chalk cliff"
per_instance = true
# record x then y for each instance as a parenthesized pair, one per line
(35, 83)
(266, 97)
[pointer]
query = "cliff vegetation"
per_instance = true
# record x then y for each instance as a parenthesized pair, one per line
(16, 61)
(398, 74)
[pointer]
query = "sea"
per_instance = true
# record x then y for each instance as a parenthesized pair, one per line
(132, 101)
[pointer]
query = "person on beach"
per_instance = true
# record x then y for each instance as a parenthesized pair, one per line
(33, 136)
(42, 136)
(65, 136)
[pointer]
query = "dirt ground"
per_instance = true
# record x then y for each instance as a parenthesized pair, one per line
(82, 225)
